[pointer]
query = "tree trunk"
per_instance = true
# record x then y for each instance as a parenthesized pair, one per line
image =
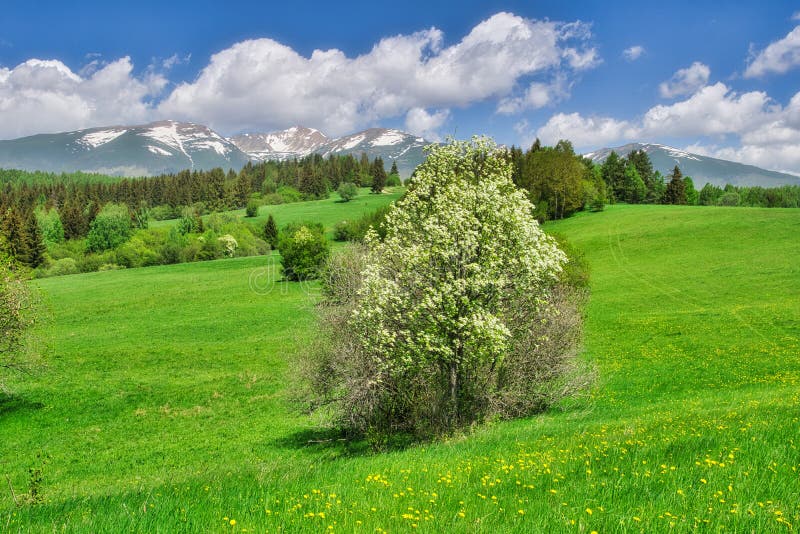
(454, 392)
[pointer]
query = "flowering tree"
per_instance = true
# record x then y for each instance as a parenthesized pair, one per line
(443, 296)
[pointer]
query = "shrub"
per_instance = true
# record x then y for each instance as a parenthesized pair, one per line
(252, 208)
(457, 316)
(729, 199)
(110, 228)
(344, 231)
(228, 244)
(347, 191)
(289, 194)
(62, 267)
(303, 251)
(393, 180)
(17, 316)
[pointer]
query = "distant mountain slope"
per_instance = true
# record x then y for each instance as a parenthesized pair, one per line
(155, 148)
(296, 141)
(702, 169)
(389, 144)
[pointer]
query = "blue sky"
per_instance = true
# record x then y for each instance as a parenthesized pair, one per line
(716, 78)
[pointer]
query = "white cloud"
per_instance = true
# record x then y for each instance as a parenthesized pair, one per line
(758, 130)
(712, 110)
(263, 84)
(537, 95)
(585, 131)
(778, 57)
(46, 96)
(633, 53)
(685, 81)
(420, 122)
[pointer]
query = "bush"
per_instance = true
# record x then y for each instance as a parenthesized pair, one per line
(393, 180)
(252, 208)
(62, 267)
(729, 199)
(303, 250)
(458, 316)
(50, 226)
(347, 191)
(17, 317)
(289, 194)
(344, 231)
(110, 228)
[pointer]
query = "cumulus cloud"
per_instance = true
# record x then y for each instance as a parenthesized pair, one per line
(757, 130)
(633, 53)
(420, 122)
(778, 57)
(263, 84)
(537, 95)
(47, 96)
(585, 131)
(685, 81)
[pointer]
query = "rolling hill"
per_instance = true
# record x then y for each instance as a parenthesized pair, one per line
(167, 404)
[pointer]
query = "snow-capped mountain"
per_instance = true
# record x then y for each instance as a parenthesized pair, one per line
(702, 169)
(389, 144)
(155, 148)
(296, 141)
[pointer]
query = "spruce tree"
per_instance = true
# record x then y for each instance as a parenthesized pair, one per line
(271, 232)
(676, 189)
(393, 170)
(16, 237)
(34, 242)
(378, 176)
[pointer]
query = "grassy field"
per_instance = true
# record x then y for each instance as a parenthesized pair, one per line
(327, 212)
(167, 403)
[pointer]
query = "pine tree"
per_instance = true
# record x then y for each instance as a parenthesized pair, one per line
(378, 176)
(676, 189)
(34, 242)
(393, 170)
(271, 232)
(613, 172)
(16, 238)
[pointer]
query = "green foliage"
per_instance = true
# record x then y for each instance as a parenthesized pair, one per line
(110, 228)
(676, 188)
(378, 172)
(252, 208)
(729, 199)
(692, 196)
(554, 178)
(709, 195)
(303, 250)
(433, 339)
(271, 232)
(633, 190)
(347, 191)
(17, 317)
(50, 226)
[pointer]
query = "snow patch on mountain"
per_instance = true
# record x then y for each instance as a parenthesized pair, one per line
(389, 137)
(95, 139)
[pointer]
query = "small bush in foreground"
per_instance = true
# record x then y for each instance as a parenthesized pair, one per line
(459, 315)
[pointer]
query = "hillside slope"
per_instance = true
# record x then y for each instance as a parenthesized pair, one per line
(149, 149)
(167, 404)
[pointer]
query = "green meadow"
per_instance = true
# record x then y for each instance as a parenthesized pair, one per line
(167, 403)
(326, 212)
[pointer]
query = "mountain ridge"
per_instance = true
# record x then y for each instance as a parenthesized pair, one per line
(702, 169)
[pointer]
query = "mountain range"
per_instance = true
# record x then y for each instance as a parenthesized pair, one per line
(170, 146)
(702, 169)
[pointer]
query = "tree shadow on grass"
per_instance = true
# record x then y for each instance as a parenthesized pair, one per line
(10, 404)
(337, 443)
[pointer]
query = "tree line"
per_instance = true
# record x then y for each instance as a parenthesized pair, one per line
(33, 204)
